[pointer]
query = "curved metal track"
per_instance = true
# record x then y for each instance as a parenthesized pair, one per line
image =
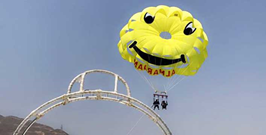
(97, 94)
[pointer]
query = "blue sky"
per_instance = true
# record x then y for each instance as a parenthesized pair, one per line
(45, 44)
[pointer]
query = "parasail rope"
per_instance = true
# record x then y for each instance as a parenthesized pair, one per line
(171, 81)
(135, 125)
(173, 85)
(147, 81)
(176, 84)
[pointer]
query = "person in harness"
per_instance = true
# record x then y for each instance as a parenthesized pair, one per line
(156, 104)
(164, 105)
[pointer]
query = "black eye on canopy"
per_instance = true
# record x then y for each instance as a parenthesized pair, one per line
(148, 18)
(189, 29)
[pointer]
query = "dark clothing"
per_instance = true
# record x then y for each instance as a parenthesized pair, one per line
(156, 104)
(164, 105)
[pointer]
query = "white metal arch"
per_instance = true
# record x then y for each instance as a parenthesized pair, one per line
(97, 94)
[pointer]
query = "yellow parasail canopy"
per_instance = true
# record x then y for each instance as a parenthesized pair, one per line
(164, 40)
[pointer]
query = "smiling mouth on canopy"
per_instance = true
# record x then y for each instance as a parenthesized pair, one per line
(156, 60)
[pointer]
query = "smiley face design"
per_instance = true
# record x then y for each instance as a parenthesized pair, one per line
(164, 40)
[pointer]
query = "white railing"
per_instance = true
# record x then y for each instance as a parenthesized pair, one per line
(97, 94)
